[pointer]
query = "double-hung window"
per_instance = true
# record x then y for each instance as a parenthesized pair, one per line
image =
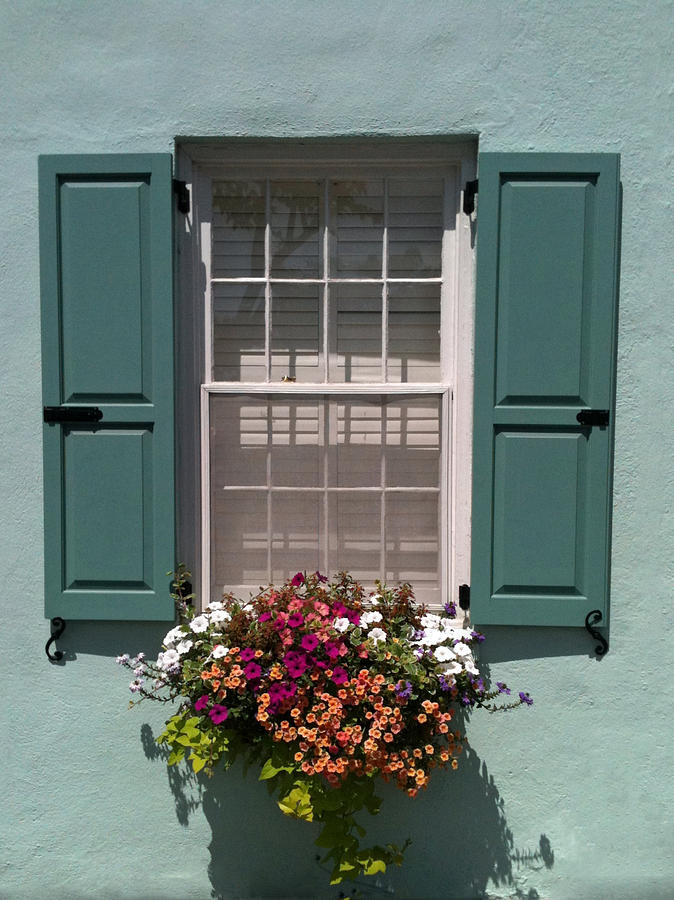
(337, 284)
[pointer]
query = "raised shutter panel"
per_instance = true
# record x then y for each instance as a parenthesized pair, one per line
(545, 348)
(106, 256)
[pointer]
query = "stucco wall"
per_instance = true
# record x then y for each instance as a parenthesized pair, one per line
(571, 799)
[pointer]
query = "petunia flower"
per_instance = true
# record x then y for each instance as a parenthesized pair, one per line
(247, 654)
(297, 579)
(341, 624)
(199, 625)
(295, 620)
(219, 651)
(340, 675)
(252, 671)
(377, 635)
(218, 714)
(309, 642)
(201, 703)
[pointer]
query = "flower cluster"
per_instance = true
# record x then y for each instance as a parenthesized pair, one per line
(331, 686)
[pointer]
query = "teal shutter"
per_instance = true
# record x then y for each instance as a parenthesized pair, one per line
(545, 348)
(106, 266)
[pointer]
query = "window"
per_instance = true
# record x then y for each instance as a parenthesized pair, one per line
(336, 292)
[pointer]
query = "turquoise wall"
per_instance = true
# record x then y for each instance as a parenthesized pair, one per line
(570, 799)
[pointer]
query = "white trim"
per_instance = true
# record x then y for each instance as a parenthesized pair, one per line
(455, 161)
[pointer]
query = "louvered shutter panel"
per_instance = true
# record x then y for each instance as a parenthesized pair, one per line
(107, 332)
(545, 349)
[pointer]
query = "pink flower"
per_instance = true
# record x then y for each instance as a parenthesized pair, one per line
(295, 620)
(201, 703)
(297, 579)
(339, 675)
(247, 654)
(252, 671)
(322, 608)
(264, 616)
(218, 714)
(331, 650)
(309, 642)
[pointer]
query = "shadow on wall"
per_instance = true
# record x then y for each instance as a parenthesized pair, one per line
(461, 847)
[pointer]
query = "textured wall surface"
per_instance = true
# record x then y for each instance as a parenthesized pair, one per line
(571, 799)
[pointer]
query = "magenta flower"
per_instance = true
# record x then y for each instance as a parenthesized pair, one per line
(296, 663)
(218, 714)
(322, 578)
(252, 671)
(264, 616)
(295, 620)
(339, 675)
(331, 650)
(297, 579)
(247, 654)
(309, 642)
(201, 703)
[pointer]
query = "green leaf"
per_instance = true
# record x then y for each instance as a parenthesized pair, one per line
(297, 804)
(373, 866)
(198, 762)
(269, 770)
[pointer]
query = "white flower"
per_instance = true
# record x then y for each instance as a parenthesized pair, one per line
(430, 621)
(220, 615)
(248, 607)
(138, 671)
(461, 649)
(375, 599)
(443, 654)
(377, 634)
(452, 668)
(135, 686)
(121, 660)
(470, 666)
(175, 634)
(219, 651)
(432, 636)
(216, 604)
(457, 634)
(184, 647)
(167, 659)
(199, 624)
(341, 624)
(369, 617)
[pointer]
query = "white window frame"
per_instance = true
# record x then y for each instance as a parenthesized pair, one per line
(197, 164)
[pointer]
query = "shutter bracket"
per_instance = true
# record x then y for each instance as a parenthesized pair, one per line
(591, 619)
(182, 193)
(464, 596)
(469, 193)
(58, 626)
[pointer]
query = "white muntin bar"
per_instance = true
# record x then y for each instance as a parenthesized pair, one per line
(294, 389)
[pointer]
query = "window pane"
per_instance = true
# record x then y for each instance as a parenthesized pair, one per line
(412, 544)
(238, 541)
(238, 332)
(413, 429)
(414, 333)
(415, 225)
(238, 229)
(295, 223)
(297, 534)
(355, 432)
(296, 435)
(239, 438)
(357, 217)
(355, 535)
(356, 332)
(296, 332)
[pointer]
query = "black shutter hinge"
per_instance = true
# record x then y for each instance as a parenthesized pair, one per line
(464, 596)
(469, 193)
(181, 191)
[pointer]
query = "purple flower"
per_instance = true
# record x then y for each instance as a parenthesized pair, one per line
(295, 620)
(247, 654)
(296, 663)
(218, 714)
(444, 684)
(322, 578)
(340, 675)
(297, 579)
(477, 636)
(404, 689)
(201, 703)
(309, 642)
(252, 671)
(450, 609)
(525, 698)
(502, 688)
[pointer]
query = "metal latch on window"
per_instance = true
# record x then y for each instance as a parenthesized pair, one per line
(469, 193)
(464, 596)
(181, 191)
